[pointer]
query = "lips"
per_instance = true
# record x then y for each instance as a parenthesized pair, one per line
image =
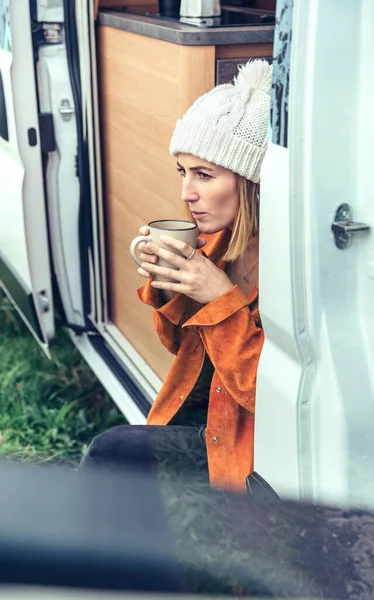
(197, 214)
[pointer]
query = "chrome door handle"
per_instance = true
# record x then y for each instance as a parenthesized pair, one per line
(343, 226)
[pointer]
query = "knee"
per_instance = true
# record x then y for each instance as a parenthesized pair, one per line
(106, 444)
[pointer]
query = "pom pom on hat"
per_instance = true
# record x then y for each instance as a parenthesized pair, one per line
(254, 75)
(229, 125)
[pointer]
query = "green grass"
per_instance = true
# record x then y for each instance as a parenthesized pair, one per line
(49, 410)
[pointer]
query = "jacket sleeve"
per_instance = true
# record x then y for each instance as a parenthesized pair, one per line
(233, 341)
(168, 316)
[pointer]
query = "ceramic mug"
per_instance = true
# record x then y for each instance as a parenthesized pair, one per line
(186, 231)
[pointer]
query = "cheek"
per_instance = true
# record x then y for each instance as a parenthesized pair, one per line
(233, 203)
(224, 200)
(227, 209)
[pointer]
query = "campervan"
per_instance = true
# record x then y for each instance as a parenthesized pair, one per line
(89, 95)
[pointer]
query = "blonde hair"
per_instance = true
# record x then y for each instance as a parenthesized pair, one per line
(246, 224)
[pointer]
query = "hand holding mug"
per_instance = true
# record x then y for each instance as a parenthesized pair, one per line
(185, 231)
(168, 254)
(182, 270)
(148, 256)
(145, 256)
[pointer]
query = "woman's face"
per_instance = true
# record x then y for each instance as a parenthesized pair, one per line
(210, 191)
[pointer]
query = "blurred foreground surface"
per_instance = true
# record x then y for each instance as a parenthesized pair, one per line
(59, 527)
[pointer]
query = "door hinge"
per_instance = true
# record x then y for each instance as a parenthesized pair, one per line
(343, 226)
(52, 33)
(46, 34)
(78, 329)
(43, 301)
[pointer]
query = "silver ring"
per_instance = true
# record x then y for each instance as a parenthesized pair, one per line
(191, 255)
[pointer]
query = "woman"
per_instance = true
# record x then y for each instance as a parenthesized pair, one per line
(209, 316)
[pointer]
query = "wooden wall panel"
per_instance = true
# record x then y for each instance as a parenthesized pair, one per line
(197, 73)
(145, 85)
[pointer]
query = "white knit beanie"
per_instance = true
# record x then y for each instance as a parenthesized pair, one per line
(229, 125)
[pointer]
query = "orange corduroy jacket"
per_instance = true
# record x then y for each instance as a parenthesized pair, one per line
(229, 330)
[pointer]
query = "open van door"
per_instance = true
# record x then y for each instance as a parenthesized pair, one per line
(25, 274)
(48, 181)
(315, 394)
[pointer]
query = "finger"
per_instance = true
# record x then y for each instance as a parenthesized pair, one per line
(152, 258)
(168, 285)
(144, 273)
(144, 230)
(142, 247)
(175, 274)
(143, 251)
(183, 247)
(200, 242)
(171, 257)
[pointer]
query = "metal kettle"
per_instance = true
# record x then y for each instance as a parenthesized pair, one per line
(200, 8)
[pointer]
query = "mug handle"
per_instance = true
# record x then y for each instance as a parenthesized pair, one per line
(134, 245)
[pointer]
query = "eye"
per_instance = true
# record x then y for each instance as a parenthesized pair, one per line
(181, 171)
(204, 176)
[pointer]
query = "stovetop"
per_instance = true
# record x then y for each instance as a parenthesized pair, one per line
(230, 17)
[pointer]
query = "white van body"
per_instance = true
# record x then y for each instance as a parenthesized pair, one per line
(315, 408)
(315, 400)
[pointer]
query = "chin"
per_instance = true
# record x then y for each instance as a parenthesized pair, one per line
(210, 228)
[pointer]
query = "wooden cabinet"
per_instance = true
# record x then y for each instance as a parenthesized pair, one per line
(145, 85)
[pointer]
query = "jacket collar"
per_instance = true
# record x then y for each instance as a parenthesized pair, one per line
(216, 246)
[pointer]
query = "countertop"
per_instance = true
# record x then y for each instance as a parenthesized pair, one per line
(186, 35)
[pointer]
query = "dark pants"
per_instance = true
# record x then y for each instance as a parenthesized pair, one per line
(168, 451)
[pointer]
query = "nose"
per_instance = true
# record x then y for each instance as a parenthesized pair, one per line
(189, 191)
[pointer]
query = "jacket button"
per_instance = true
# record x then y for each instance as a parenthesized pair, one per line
(218, 389)
(181, 397)
(216, 439)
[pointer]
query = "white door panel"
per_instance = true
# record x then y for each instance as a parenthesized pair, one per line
(62, 183)
(12, 229)
(341, 300)
(279, 421)
(12, 238)
(50, 11)
(329, 155)
(24, 255)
